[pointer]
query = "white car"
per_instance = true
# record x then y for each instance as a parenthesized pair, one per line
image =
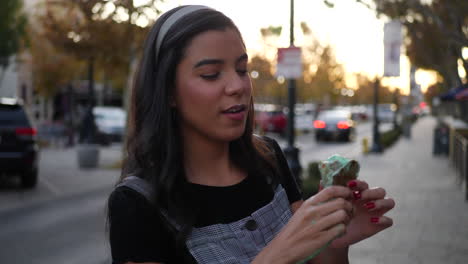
(110, 122)
(304, 120)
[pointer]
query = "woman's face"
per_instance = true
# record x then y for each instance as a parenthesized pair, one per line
(213, 87)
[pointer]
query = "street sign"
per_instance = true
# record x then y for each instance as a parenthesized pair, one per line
(289, 63)
(392, 44)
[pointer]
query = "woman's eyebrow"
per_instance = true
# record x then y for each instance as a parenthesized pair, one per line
(208, 61)
(219, 61)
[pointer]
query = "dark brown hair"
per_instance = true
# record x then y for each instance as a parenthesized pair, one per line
(154, 148)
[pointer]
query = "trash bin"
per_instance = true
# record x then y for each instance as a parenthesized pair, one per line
(441, 140)
(88, 156)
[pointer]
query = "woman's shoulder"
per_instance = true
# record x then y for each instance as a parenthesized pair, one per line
(125, 202)
(132, 190)
(287, 179)
(135, 230)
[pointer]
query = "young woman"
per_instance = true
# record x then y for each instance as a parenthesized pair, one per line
(197, 185)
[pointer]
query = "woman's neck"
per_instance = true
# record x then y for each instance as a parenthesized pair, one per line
(208, 163)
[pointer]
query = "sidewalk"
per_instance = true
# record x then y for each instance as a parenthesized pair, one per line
(431, 214)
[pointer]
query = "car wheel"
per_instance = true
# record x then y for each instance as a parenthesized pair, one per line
(318, 138)
(29, 179)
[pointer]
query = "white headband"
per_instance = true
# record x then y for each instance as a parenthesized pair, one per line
(171, 21)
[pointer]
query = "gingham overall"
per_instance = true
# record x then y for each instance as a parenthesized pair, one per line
(232, 243)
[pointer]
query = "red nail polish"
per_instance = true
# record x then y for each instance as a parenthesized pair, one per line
(357, 195)
(352, 184)
(374, 219)
(369, 205)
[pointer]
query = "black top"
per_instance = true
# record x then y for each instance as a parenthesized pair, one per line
(137, 233)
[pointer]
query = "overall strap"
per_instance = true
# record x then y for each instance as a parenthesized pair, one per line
(144, 188)
(139, 185)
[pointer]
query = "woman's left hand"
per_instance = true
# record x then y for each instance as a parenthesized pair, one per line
(370, 205)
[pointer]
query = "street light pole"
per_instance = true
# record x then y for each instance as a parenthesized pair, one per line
(88, 127)
(376, 146)
(291, 152)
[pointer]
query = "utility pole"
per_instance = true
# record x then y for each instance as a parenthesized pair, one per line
(291, 152)
(376, 146)
(88, 128)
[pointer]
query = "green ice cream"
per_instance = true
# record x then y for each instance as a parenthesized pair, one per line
(337, 170)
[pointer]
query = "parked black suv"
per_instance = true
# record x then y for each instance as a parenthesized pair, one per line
(18, 146)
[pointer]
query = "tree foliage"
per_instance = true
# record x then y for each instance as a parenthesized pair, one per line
(51, 69)
(12, 29)
(436, 32)
(365, 91)
(327, 79)
(110, 32)
(267, 89)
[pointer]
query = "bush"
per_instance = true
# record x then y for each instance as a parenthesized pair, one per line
(310, 184)
(388, 138)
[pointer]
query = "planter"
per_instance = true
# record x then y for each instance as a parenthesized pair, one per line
(88, 156)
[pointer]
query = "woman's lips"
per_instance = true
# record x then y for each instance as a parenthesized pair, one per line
(236, 116)
(235, 108)
(236, 112)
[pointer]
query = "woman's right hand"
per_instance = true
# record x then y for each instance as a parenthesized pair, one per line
(318, 220)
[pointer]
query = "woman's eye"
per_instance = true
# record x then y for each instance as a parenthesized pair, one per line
(210, 77)
(242, 72)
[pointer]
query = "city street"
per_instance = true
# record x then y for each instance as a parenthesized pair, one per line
(84, 72)
(63, 220)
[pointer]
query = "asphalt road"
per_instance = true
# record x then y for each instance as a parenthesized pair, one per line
(63, 220)
(68, 230)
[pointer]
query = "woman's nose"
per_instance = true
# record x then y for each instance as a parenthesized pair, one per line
(237, 84)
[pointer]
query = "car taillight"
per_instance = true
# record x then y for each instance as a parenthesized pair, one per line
(319, 124)
(342, 125)
(26, 131)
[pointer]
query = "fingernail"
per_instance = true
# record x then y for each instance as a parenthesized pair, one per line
(357, 195)
(374, 219)
(369, 205)
(352, 184)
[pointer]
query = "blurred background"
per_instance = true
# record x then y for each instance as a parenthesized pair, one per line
(381, 81)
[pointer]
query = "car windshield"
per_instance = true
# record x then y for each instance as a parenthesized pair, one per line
(333, 115)
(13, 115)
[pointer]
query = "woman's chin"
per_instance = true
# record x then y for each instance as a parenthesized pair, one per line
(232, 134)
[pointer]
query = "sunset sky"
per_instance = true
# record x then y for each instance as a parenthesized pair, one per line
(351, 28)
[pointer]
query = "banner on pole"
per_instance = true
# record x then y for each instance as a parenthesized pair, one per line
(289, 64)
(392, 44)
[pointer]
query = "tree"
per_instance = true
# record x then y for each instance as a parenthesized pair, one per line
(328, 77)
(266, 87)
(323, 76)
(107, 33)
(436, 33)
(365, 92)
(12, 29)
(51, 69)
